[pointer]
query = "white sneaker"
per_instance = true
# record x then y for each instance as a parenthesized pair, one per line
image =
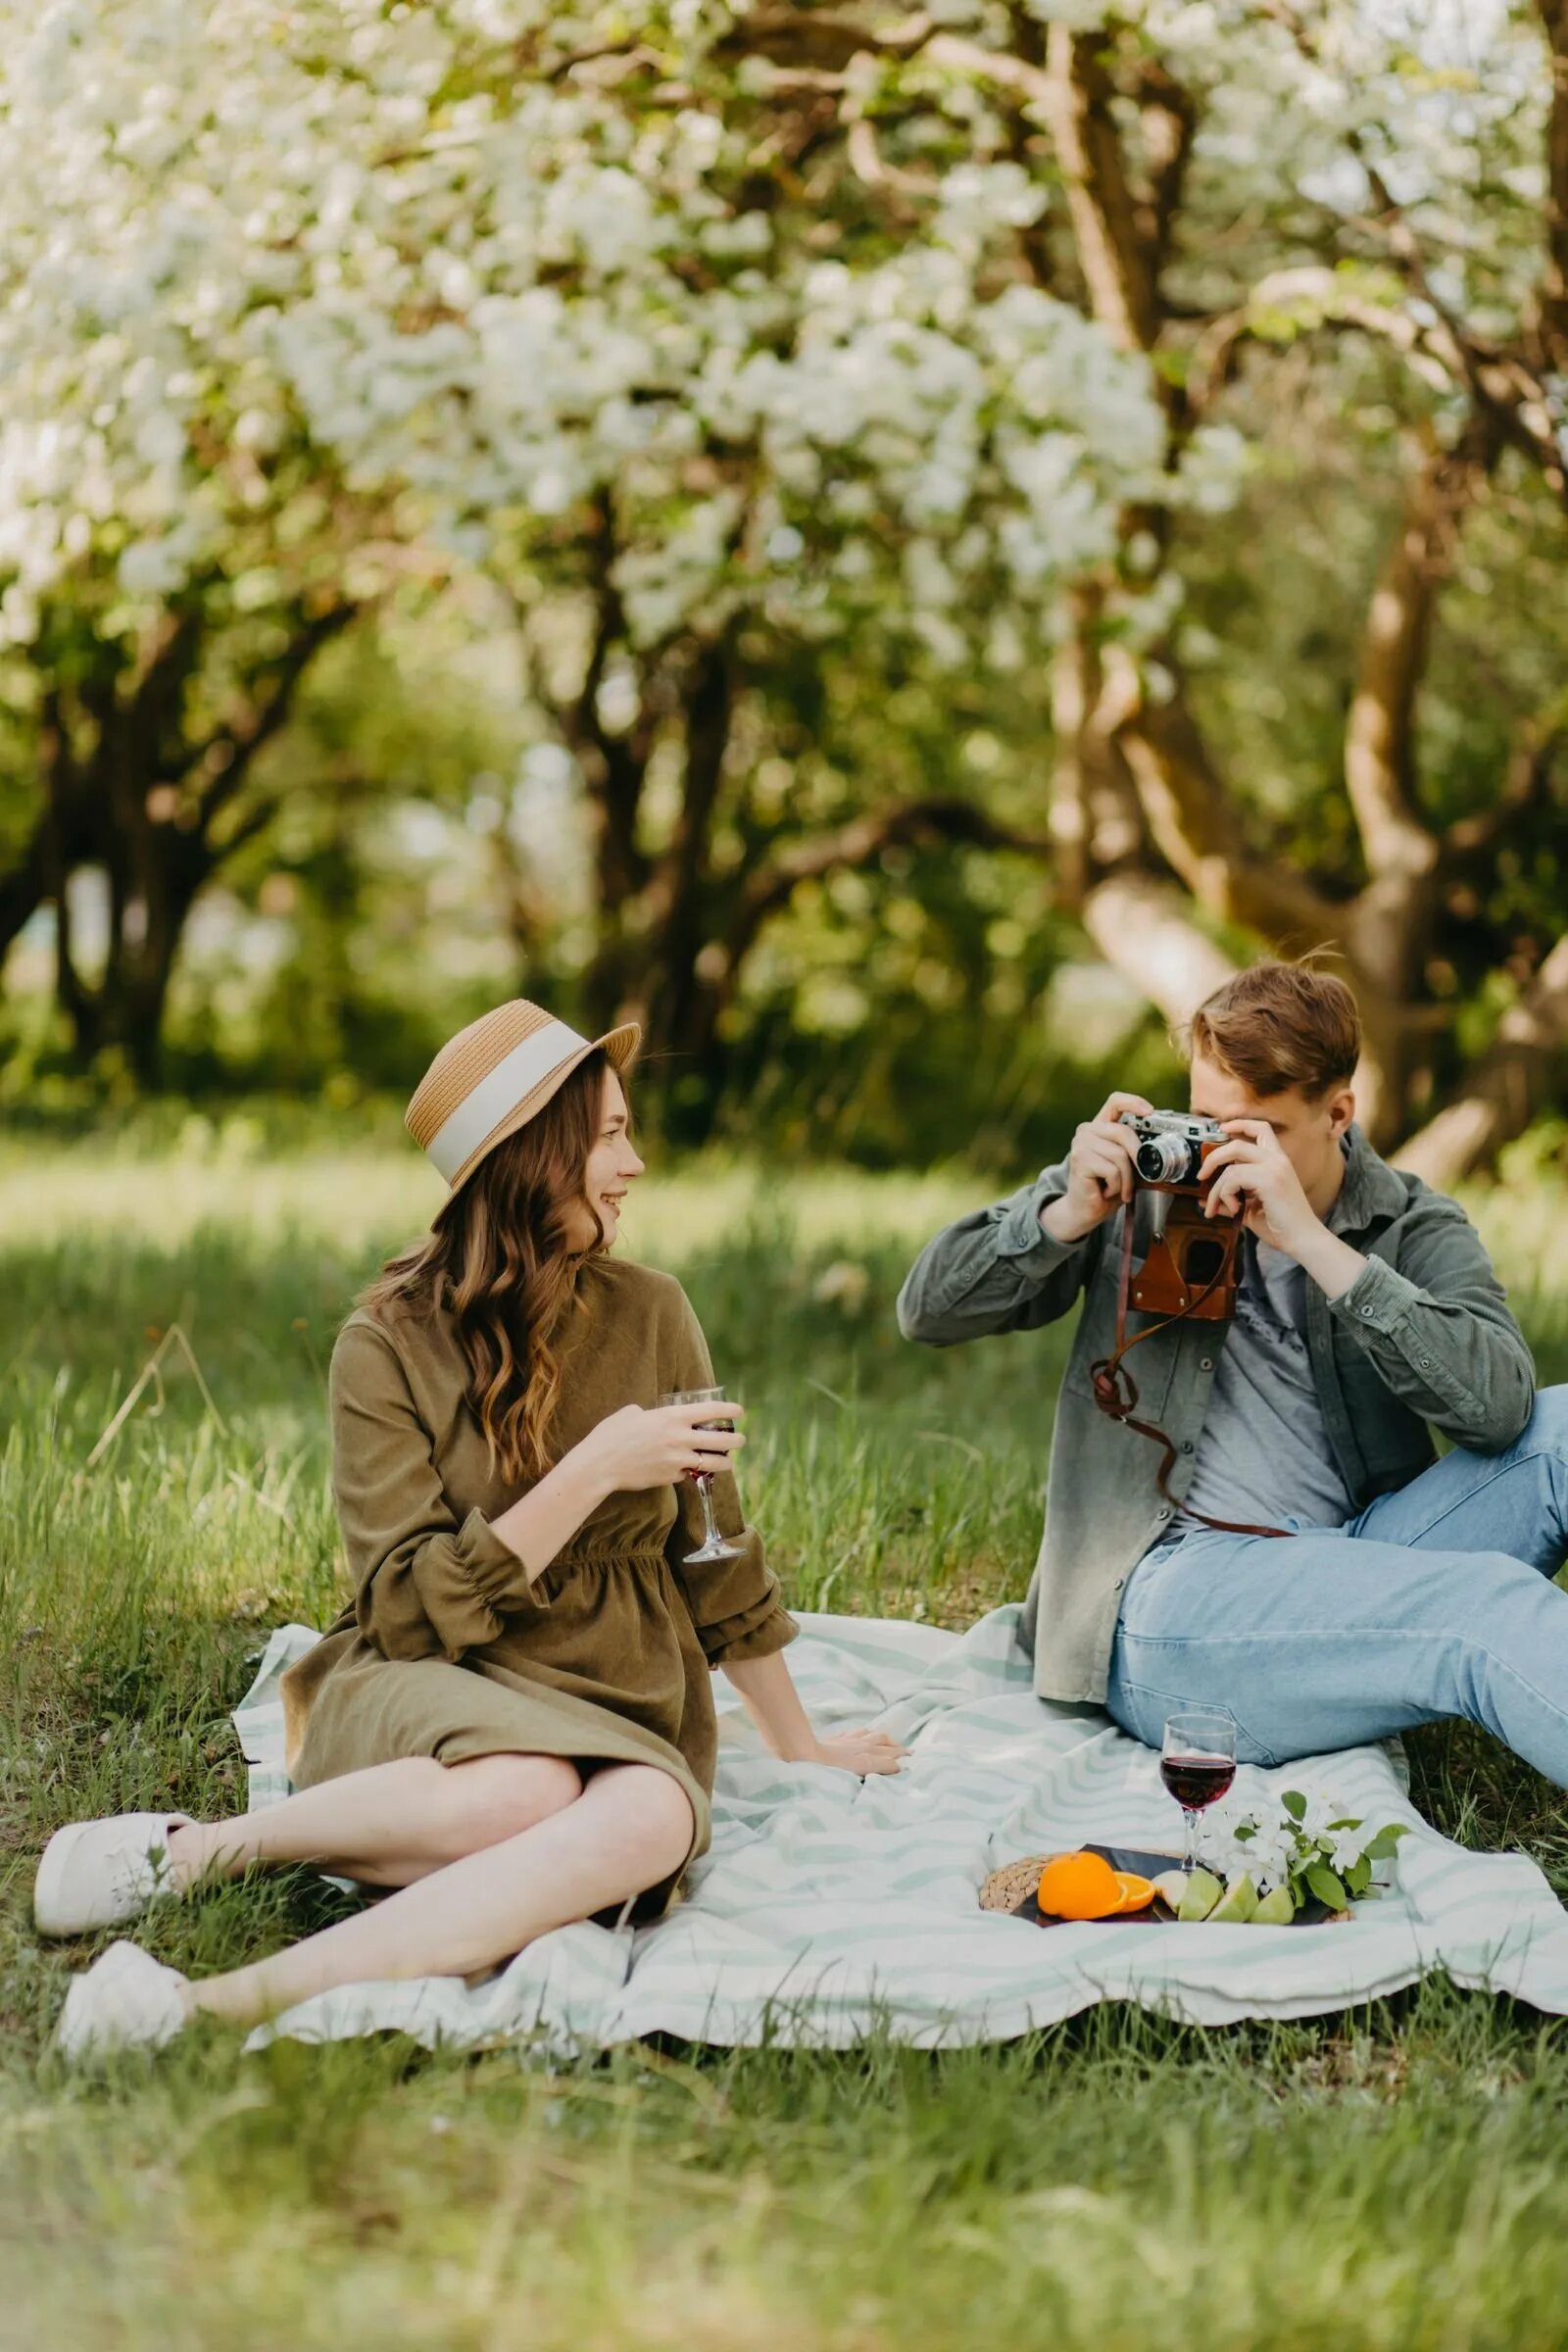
(98, 1874)
(127, 2001)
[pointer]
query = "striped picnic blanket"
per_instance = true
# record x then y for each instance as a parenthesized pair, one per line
(827, 1910)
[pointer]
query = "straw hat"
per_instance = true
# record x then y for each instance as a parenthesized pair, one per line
(490, 1079)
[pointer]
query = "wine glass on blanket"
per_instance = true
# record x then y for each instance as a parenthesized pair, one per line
(1198, 1764)
(713, 1545)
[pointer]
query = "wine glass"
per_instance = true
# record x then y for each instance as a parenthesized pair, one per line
(1198, 1764)
(713, 1545)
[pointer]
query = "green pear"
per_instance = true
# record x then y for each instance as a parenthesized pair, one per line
(1170, 1887)
(1276, 1910)
(1201, 1893)
(1236, 1904)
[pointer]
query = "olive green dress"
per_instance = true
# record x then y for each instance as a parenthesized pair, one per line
(447, 1650)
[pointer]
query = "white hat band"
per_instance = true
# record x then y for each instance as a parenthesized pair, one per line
(483, 1109)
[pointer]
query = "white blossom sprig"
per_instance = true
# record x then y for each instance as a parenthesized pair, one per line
(1307, 1847)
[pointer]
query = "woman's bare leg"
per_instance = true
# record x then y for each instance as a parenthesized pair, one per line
(386, 1826)
(630, 1827)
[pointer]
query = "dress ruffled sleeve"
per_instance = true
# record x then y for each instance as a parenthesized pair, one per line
(735, 1603)
(426, 1584)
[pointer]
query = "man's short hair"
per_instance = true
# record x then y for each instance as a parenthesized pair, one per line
(1279, 1025)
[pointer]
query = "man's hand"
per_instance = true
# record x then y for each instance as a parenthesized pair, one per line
(1099, 1172)
(1255, 1177)
(1257, 1180)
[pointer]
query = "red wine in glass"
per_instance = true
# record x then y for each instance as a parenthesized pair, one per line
(713, 1545)
(705, 1478)
(1198, 1764)
(1197, 1781)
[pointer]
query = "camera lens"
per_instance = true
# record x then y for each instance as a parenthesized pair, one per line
(1163, 1160)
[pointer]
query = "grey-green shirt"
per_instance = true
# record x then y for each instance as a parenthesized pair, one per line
(1422, 1340)
(1264, 1455)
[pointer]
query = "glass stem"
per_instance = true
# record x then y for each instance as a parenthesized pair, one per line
(1191, 1820)
(705, 1488)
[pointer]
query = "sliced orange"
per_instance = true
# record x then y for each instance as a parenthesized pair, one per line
(1136, 1893)
(1080, 1887)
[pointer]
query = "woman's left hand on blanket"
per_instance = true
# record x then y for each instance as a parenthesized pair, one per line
(860, 1751)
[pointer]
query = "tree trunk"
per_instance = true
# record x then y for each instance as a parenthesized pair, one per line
(149, 806)
(22, 891)
(1553, 302)
(676, 909)
(1389, 927)
(155, 879)
(1095, 818)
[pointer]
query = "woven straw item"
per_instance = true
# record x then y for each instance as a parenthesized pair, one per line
(1013, 1884)
(466, 1061)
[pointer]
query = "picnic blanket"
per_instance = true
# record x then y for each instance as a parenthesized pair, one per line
(828, 1908)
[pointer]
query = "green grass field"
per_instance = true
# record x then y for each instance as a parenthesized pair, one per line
(1389, 2179)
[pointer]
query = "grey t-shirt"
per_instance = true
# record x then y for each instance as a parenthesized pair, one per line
(1264, 1454)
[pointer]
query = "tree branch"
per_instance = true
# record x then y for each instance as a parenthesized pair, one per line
(1195, 822)
(225, 759)
(1110, 251)
(149, 720)
(1314, 292)
(1144, 928)
(612, 766)
(1391, 918)
(1525, 781)
(1169, 119)
(1553, 296)
(1511, 1081)
(815, 38)
(901, 823)
(1096, 820)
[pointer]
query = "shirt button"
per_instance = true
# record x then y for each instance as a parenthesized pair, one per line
(1205, 1363)
(1187, 1444)
(1366, 1314)
(1163, 1511)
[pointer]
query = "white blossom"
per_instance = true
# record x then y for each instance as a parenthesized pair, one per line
(274, 272)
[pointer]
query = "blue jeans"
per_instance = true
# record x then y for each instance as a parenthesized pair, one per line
(1437, 1601)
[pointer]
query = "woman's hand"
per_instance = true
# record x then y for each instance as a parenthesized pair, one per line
(860, 1751)
(770, 1696)
(652, 1446)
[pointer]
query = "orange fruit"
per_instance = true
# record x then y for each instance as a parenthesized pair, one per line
(1079, 1886)
(1136, 1893)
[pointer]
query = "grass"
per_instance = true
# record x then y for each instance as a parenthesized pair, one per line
(1389, 2179)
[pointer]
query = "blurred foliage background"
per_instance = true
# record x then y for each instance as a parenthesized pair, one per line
(925, 543)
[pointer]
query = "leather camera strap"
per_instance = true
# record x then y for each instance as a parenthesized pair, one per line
(1116, 1392)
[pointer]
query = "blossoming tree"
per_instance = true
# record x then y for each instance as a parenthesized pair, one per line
(1230, 181)
(725, 338)
(302, 297)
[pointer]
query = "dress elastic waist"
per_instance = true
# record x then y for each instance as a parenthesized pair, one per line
(615, 1555)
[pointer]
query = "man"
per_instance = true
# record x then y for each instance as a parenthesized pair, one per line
(1405, 1587)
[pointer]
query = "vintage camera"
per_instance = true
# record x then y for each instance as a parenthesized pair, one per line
(1171, 1144)
(1193, 1265)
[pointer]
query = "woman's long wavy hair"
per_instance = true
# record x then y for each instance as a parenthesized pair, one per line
(497, 1257)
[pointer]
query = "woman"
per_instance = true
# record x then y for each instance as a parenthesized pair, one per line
(512, 1726)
